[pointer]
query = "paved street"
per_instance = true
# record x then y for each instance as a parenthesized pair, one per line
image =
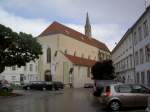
(69, 100)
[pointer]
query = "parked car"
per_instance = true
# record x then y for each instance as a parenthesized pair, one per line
(116, 96)
(5, 86)
(38, 85)
(99, 84)
(43, 85)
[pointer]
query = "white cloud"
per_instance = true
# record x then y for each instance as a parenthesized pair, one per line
(16, 23)
(107, 33)
(111, 18)
(112, 11)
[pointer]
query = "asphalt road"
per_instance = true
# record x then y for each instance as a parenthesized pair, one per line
(68, 100)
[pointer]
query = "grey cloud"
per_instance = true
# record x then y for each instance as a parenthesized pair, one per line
(119, 14)
(100, 10)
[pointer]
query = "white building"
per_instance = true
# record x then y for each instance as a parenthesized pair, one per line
(131, 56)
(23, 74)
(122, 57)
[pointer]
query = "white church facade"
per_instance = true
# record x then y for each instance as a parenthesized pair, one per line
(68, 55)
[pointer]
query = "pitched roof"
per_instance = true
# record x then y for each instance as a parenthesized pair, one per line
(56, 28)
(80, 61)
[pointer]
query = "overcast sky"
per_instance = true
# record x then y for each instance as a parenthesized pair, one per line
(109, 19)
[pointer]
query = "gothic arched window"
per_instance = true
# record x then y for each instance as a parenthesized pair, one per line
(48, 55)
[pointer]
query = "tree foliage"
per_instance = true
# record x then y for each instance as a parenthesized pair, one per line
(103, 70)
(17, 48)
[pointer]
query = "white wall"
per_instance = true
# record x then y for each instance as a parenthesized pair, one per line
(14, 75)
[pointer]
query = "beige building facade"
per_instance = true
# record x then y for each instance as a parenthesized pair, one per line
(69, 55)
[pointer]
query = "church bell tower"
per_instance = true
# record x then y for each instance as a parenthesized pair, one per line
(87, 27)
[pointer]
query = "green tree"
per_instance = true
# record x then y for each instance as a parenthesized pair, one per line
(17, 48)
(103, 70)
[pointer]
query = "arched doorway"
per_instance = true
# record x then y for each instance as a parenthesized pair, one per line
(48, 76)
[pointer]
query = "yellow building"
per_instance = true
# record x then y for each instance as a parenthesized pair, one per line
(68, 55)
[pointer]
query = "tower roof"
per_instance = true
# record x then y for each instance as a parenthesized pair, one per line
(88, 26)
(87, 20)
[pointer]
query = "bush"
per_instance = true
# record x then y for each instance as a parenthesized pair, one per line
(103, 70)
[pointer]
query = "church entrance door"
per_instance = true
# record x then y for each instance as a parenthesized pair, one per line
(48, 76)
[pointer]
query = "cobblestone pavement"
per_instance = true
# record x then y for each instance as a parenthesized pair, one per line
(68, 100)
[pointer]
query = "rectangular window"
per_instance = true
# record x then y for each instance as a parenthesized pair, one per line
(31, 67)
(140, 33)
(141, 56)
(127, 63)
(147, 52)
(36, 68)
(145, 28)
(13, 78)
(137, 77)
(148, 78)
(14, 68)
(131, 61)
(3, 77)
(25, 68)
(142, 78)
(30, 77)
(135, 38)
(136, 58)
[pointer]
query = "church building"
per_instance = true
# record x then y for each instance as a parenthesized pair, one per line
(68, 55)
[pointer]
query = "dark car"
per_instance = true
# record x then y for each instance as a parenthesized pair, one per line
(38, 85)
(5, 86)
(43, 85)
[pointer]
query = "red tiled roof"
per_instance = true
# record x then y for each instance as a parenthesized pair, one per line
(56, 28)
(80, 61)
